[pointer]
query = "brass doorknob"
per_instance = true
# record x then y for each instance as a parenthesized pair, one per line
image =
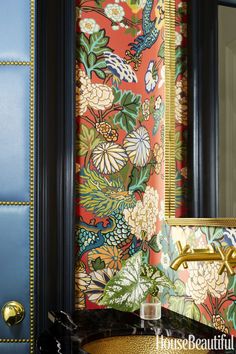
(13, 313)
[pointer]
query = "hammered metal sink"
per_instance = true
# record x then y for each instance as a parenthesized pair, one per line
(134, 344)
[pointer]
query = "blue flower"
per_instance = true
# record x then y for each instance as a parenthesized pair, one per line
(151, 77)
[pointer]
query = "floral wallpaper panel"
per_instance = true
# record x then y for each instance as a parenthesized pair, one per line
(120, 130)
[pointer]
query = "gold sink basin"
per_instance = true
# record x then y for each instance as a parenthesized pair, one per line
(136, 344)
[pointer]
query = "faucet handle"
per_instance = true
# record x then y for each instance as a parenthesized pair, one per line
(226, 259)
(183, 251)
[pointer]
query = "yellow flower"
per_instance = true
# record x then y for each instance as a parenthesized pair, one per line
(79, 300)
(82, 279)
(181, 102)
(158, 153)
(219, 323)
(110, 255)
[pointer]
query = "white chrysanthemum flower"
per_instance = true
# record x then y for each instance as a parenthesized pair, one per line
(109, 157)
(115, 12)
(137, 146)
(89, 25)
(101, 96)
(143, 217)
(204, 279)
(97, 96)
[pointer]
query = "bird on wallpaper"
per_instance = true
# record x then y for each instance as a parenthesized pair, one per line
(104, 197)
(150, 28)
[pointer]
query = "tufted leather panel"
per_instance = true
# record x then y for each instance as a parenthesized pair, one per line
(14, 348)
(17, 169)
(14, 132)
(15, 30)
(14, 265)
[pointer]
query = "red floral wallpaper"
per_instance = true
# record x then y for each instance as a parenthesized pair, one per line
(120, 130)
(120, 159)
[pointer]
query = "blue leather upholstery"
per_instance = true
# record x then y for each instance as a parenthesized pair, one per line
(14, 132)
(14, 348)
(14, 265)
(15, 30)
(15, 18)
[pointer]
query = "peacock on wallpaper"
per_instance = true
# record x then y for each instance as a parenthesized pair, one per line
(120, 108)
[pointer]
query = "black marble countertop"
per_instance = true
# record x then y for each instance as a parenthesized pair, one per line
(68, 334)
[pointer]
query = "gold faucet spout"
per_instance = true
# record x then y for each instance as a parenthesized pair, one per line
(194, 257)
(227, 256)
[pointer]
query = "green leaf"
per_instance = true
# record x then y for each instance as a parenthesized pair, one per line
(153, 244)
(91, 59)
(87, 140)
(161, 52)
(184, 307)
(90, 52)
(180, 147)
(231, 313)
(127, 289)
(117, 95)
(158, 115)
(191, 310)
(98, 42)
(83, 41)
(180, 287)
(176, 304)
(232, 283)
(98, 264)
(204, 320)
(139, 178)
(214, 234)
(83, 58)
(127, 117)
(99, 73)
(157, 276)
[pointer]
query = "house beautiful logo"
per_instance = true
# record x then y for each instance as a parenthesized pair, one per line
(219, 342)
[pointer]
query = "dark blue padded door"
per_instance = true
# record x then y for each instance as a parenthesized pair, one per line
(17, 170)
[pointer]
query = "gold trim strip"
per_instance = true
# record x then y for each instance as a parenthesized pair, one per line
(15, 203)
(219, 222)
(16, 63)
(32, 166)
(15, 340)
(170, 166)
(170, 163)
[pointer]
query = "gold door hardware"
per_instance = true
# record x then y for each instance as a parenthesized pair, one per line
(13, 313)
(226, 255)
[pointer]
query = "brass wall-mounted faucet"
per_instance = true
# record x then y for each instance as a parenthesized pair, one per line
(226, 255)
